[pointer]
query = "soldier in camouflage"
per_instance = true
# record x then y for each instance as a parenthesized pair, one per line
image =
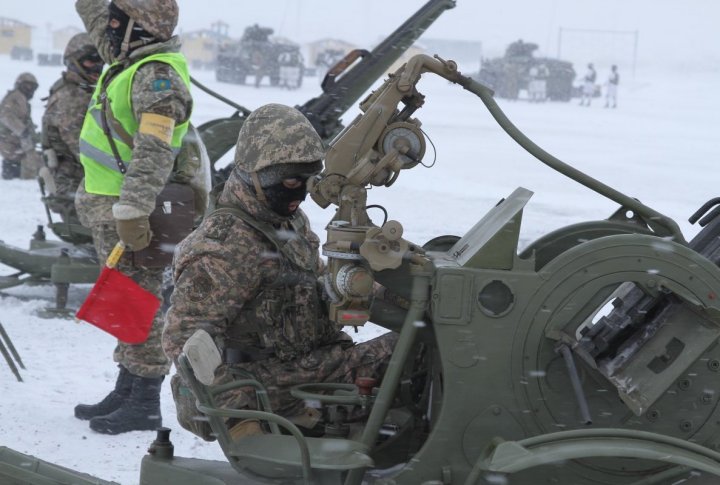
(62, 121)
(129, 141)
(17, 131)
(249, 277)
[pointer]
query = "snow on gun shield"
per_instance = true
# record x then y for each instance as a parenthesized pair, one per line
(106, 148)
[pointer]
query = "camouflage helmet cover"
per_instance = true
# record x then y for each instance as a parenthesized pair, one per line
(78, 46)
(275, 134)
(159, 17)
(26, 77)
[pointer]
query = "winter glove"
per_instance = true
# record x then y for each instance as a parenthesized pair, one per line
(135, 233)
(51, 159)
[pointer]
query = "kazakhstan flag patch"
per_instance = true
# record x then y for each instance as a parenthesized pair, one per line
(161, 85)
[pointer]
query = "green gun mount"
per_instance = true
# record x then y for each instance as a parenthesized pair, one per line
(590, 357)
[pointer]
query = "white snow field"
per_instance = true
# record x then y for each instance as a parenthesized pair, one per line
(661, 145)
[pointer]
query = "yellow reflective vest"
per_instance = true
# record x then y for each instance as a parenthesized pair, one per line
(102, 141)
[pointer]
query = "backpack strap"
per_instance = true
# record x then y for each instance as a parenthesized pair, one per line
(265, 229)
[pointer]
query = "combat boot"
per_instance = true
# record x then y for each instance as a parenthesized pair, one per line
(10, 169)
(112, 401)
(139, 412)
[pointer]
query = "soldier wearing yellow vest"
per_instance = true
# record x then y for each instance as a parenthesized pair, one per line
(131, 135)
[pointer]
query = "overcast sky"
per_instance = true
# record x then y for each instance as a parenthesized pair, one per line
(669, 30)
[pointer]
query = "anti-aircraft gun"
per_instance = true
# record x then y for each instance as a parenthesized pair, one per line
(507, 369)
(511, 73)
(498, 349)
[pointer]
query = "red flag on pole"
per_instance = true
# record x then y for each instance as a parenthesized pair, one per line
(118, 305)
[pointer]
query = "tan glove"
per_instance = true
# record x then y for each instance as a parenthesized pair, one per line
(135, 233)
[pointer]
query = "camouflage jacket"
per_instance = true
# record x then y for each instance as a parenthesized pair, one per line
(16, 124)
(232, 281)
(153, 159)
(63, 120)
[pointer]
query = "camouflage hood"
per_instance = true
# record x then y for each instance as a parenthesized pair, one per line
(275, 134)
(171, 45)
(158, 17)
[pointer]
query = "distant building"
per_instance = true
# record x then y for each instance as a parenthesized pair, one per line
(14, 33)
(201, 46)
(61, 37)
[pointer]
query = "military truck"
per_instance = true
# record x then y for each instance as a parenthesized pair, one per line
(48, 59)
(513, 72)
(19, 53)
(327, 58)
(257, 54)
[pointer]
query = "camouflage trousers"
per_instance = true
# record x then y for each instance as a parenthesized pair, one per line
(332, 363)
(10, 169)
(66, 179)
(146, 359)
(30, 165)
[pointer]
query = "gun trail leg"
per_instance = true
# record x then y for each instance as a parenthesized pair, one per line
(13, 351)
(8, 359)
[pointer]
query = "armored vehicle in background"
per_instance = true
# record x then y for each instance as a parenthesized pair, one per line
(257, 54)
(19, 53)
(50, 59)
(327, 59)
(510, 74)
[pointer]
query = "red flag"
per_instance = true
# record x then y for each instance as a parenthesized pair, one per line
(118, 305)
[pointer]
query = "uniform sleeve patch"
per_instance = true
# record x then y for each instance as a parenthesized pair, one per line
(161, 85)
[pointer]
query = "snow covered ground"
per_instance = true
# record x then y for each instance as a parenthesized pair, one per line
(661, 146)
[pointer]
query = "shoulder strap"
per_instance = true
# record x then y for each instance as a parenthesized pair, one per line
(265, 229)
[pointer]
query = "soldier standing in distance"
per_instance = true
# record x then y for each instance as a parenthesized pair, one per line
(63, 119)
(612, 87)
(17, 131)
(248, 275)
(132, 132)
(588, 88)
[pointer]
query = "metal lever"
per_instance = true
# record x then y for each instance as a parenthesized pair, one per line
(5, 344)
(575, 380)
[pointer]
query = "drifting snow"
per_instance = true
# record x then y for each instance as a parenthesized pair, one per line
(660, 146)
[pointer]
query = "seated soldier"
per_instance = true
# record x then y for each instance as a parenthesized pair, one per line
(249, 277)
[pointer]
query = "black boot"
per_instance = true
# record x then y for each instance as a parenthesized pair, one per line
(10, 169)
(112, 401)
(139, 412)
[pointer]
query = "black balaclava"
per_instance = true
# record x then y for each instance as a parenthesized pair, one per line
(138, 36)
(85, 72)
(279, 197)
(270, 183)
(28, 89)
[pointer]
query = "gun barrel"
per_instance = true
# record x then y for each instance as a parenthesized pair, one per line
(324, 111)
